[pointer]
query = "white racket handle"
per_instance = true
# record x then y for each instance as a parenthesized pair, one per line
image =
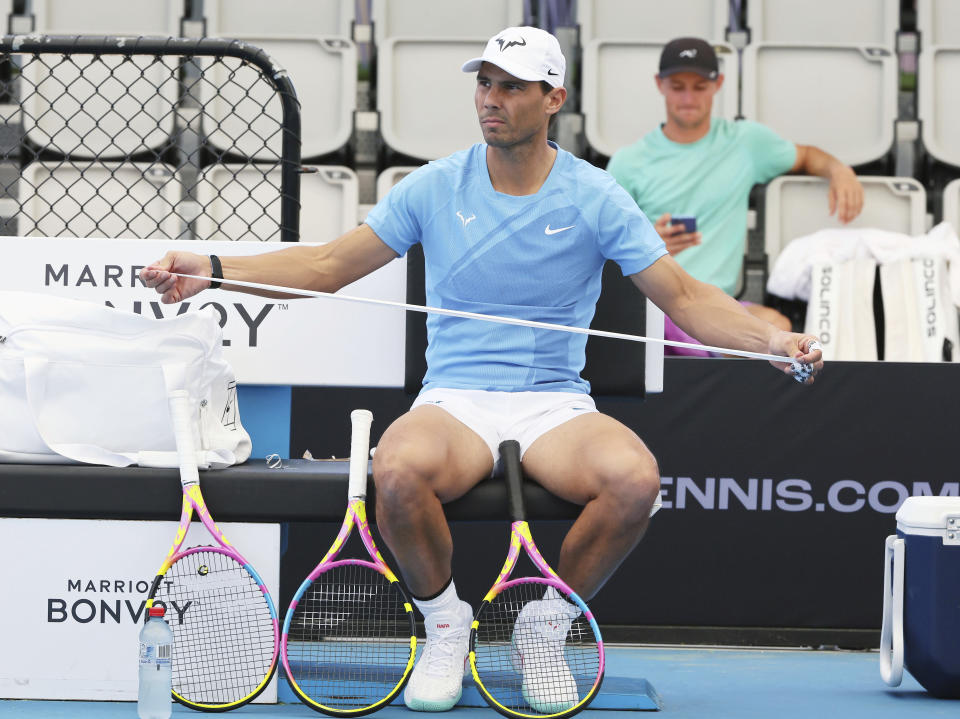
(179, 401)
(360, 421)
(495, 318)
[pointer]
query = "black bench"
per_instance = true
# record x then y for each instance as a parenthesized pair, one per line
(303, 491)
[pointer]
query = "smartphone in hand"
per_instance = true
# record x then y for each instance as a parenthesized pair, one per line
(689, 222)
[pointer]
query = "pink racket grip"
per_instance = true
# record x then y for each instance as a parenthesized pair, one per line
(180, 413)
(360, 421)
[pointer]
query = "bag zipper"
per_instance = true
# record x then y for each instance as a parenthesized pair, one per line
(73, 330)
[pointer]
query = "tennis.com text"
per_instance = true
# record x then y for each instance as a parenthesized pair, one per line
(85, 610)
(230, 314)
(794, 495)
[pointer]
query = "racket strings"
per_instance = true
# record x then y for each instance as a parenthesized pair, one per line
(348, 644)
(535, 655)
(223, 631)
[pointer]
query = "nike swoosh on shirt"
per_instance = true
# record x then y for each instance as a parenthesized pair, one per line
(549, 231)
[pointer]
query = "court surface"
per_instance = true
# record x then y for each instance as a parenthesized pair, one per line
(693, 683)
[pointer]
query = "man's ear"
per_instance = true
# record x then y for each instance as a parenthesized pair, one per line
(557, 97)
(719, 81)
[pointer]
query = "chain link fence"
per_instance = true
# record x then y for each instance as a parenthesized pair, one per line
(146, 138)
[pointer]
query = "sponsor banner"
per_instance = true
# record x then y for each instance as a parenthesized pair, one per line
(267, 341)
(777, 498)
(73, 600)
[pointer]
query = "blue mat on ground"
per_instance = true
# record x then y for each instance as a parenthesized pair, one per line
(616, 693)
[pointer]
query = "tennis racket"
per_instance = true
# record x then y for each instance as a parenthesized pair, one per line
(225, 627)
(349, 637)
(535, 648)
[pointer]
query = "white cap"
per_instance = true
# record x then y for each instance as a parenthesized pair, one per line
(527, 53)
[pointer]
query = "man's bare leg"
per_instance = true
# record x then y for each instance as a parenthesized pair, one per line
(425, 458)
(596, 461)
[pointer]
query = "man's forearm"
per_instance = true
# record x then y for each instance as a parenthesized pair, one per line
(814, 161)
(714, 318)
(294, 266)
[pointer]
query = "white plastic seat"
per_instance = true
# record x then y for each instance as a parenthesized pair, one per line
(102, 108)
(242, 202)
(245, 112)
(841, 98)
(108, 17)
(938, 22)
(425, 101)
(939, 101)
(652, 19)
(617, 113)
(795, 206)
(238, 18)
(312, 43)
(110, 200)
(951, 204)
(449, 19)
(390, 177)
(867, 22)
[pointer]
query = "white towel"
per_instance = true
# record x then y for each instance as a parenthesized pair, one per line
(790, 277)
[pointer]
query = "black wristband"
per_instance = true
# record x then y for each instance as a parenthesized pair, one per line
(216, 272)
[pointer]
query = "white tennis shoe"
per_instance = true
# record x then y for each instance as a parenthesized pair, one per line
(437, 680)
(539, 636)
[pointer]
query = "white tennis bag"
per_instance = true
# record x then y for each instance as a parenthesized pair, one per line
(82, 382)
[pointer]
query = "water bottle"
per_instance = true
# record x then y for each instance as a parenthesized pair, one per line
(156, 644)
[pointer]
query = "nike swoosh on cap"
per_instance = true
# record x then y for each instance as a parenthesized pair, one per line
(550, 231)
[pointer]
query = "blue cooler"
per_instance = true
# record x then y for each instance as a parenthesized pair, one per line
(921, 596)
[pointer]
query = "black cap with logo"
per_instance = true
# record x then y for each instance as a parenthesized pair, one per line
(689, 54)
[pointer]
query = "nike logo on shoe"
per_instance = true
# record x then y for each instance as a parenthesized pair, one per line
(550, 231)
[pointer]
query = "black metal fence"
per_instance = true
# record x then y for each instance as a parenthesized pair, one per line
(135, 137)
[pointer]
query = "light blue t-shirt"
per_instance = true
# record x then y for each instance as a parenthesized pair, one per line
(536, 257)
(710, 179)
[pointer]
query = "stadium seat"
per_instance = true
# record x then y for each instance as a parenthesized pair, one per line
(108, 17)
(618, 113)
(101, 108)
(329, 203)
(390, 177)
(938, 22)
(128, 200)
(321, 18)
(324, 74)
(951, 204)
(652, 19)
(242, 202)
(795, 206)
(425, 101)
(866, 22)
(313, 43)
(939, 102)
(449, 19)
(841, 98)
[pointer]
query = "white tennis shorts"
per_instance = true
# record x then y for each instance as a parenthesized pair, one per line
(498, 416)
(523, 416)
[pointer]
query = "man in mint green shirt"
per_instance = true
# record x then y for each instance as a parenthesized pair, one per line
(701, 166)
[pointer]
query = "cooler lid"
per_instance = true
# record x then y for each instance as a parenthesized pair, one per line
(929, 513)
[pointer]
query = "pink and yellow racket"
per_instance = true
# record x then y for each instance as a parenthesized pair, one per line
(225, 626)
(535, 648)
(349, 637)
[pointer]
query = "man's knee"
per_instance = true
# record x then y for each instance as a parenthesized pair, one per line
(401, 476)
(630, 481)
